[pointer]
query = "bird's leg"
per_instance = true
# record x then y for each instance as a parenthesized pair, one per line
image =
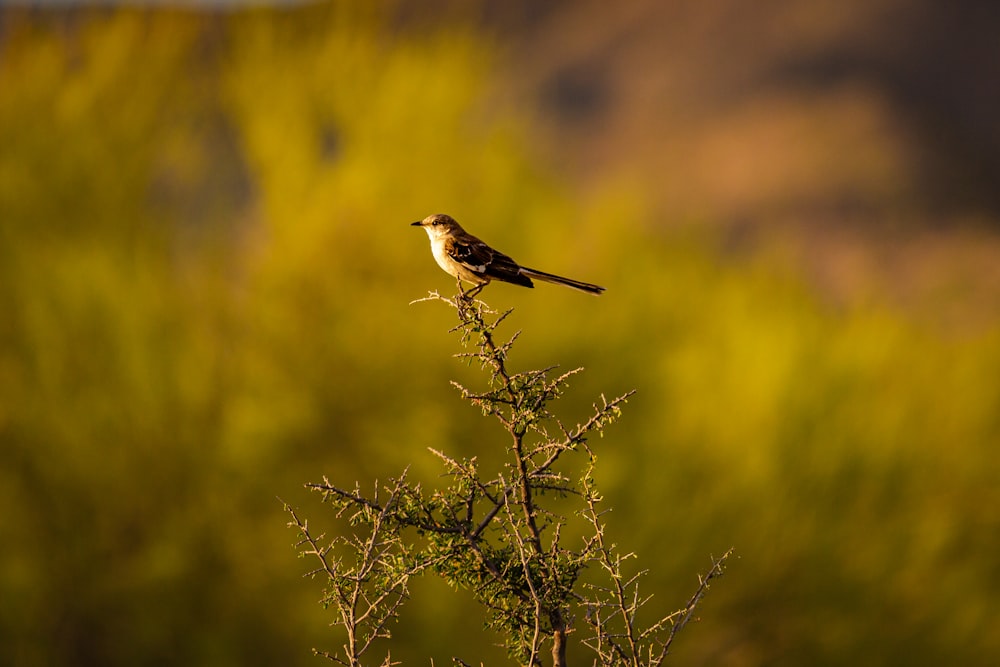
(471, 294)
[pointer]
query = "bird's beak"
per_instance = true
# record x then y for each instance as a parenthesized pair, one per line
(418, 223)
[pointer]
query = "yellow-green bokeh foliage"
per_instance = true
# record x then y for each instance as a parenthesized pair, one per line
(205, 270)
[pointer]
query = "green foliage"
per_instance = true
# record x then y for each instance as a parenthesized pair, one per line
(204, 266)
(498, 537)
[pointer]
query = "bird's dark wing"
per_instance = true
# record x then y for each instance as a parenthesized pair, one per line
(475, 255)
(485, 261)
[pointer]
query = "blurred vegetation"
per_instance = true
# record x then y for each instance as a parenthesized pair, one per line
(205, 267)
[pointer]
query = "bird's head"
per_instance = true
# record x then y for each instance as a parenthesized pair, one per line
(438, 225)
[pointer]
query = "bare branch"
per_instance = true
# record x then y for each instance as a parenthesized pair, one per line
(496, 535)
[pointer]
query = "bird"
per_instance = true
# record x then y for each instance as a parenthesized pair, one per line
(467, 258)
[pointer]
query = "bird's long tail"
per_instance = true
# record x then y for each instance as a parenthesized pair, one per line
(589, 288)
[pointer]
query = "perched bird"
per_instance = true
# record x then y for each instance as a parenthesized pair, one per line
(467, 258)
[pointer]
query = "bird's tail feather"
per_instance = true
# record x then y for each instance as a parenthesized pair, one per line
(589, 288)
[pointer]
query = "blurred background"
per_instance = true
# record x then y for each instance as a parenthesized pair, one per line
(206, 274)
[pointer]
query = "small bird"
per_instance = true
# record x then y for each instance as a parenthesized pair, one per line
(467, 258)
